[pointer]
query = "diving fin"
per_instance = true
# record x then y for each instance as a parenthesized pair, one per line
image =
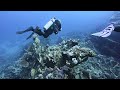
(27, 30)
(106, 32)
(30, 36)
(20, 32)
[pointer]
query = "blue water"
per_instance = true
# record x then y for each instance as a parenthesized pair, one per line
(12, 21)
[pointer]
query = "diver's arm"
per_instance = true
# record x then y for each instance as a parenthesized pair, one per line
(55, 30)
(30, 36)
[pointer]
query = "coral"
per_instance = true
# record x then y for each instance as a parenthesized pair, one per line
(67, 44)
(67, 60)
(52, 62)
(33, 72)
(76, 55)
(24, 63)
(36, 40)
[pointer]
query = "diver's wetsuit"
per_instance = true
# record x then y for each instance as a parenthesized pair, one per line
(36, 30)
(45, 34)
(53, 29)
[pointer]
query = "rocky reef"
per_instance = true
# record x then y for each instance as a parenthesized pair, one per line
(68, 59)
(49, 62)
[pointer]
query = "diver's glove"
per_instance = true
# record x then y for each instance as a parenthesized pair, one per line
(106, 32)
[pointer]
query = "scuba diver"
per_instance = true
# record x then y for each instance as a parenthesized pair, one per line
(52, 26)
(114, 26)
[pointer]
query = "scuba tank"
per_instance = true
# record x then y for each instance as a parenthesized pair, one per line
(49, 24)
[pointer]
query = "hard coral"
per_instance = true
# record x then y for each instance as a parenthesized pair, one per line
(53, 62)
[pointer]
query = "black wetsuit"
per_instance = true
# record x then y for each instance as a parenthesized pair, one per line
(53, 29)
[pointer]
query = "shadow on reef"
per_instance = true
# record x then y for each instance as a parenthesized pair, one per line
(68, 59)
